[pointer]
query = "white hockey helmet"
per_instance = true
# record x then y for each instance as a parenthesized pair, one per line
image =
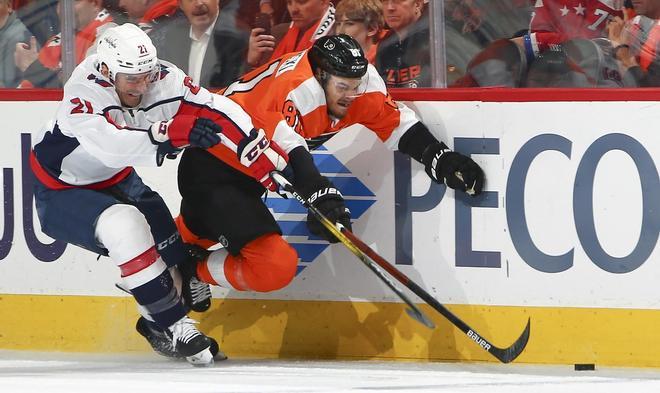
(127, 49)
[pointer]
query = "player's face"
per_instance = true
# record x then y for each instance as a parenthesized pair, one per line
(399, 14)
(131, 87)
(356, 29)
(305, 12)
(200, 13)
(340, 94)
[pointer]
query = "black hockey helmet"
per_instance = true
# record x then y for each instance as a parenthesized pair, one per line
(338, 55)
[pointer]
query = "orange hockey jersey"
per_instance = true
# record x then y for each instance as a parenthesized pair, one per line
(285, 99)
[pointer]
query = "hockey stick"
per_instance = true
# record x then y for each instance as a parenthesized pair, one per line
(360, 249)
(413, 311)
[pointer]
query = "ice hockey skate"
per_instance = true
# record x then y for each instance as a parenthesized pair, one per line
(161, 341)
(196, 293)
(191, 343)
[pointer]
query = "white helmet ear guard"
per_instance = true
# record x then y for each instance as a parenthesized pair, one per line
(127, 49)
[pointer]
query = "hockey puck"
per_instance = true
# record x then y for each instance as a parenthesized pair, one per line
(585, 367)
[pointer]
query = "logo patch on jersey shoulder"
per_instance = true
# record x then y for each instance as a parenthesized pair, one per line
(163, 71)
(99, 81)
(290, 64)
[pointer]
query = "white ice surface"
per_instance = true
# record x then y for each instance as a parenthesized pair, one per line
(28, 372)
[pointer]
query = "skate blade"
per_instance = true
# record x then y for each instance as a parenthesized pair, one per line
(201, 359)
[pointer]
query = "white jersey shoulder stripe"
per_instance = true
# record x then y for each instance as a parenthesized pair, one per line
(307, 96)
(374, 81)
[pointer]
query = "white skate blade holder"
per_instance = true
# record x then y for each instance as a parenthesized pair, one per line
(201, 359)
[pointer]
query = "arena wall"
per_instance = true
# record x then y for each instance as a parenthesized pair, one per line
(566, 234)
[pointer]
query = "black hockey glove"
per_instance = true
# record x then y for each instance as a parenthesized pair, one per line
(323, 195)
(166, 150)
(204, 133)
(453, 169)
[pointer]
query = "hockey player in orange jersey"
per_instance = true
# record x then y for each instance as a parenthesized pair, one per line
(316, 93)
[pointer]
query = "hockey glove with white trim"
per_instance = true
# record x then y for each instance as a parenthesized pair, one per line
(457, 171)
(185, 130)
(323, 195)
(262, 156)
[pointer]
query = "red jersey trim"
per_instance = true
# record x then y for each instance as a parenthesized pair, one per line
(56, 184)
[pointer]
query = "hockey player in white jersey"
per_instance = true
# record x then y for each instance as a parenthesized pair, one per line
(122, 107)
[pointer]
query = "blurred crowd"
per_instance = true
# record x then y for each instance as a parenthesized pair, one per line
(510, 43)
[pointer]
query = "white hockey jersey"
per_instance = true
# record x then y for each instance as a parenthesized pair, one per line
(95, 141)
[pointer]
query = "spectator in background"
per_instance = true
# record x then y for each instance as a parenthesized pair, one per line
(484, 21)
(41, 68)
(464, 38)
(472, 25)
(362, 20)
(40, 18)
(579, 62)
(198, 45)
(266, 7)
(402, 58)
(500, 64)
(276, 9)
(310, 20)
(12, 31)
(556, 21)
(145, 12)
(628, 9)
(636, 43)
(117, 12)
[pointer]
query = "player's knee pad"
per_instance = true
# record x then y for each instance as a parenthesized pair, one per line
(265, 264)
(124, 232)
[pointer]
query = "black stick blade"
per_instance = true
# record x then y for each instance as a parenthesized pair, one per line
(507, 355)
(419, 317)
